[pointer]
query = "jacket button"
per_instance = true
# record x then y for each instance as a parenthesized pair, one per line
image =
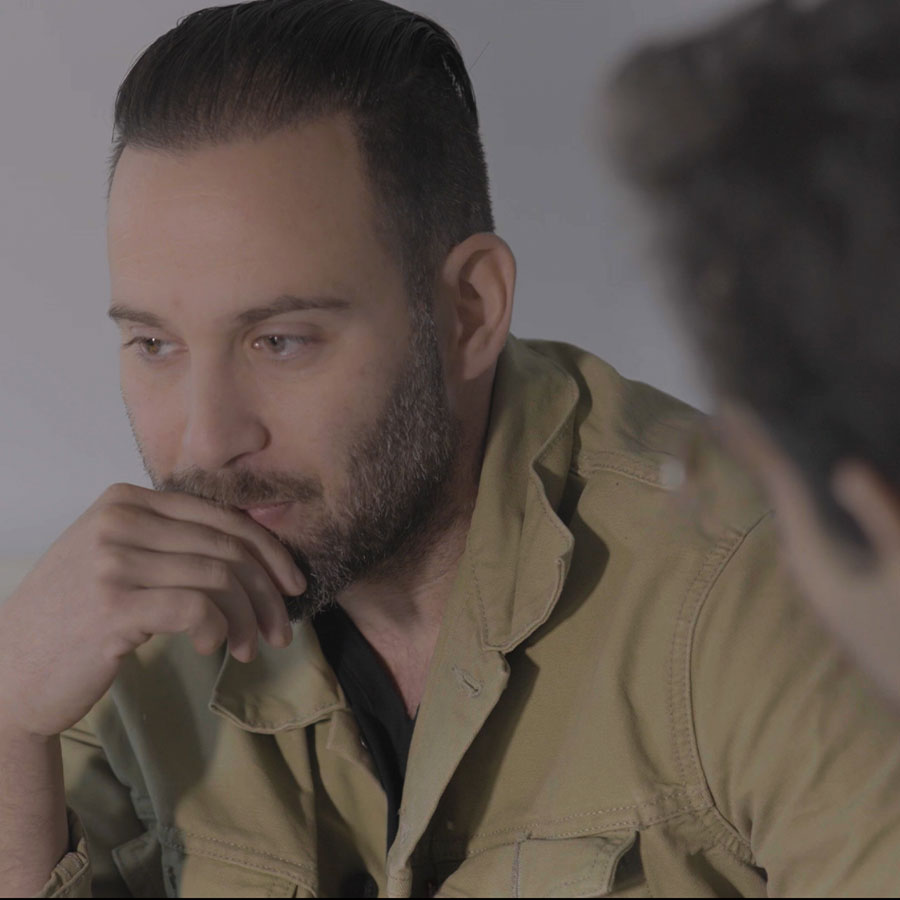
(362, 884)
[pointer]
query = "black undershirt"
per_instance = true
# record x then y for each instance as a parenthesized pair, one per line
(376, 704)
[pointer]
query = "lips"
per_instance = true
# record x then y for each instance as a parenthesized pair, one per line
(267, 514)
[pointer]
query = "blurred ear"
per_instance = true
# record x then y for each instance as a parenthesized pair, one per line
(478, 279)
(860, 490)
(872, 503)
(750, 442)
(748, 439)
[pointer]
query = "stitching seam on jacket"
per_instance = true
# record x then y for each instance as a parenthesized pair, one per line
(726, 835)
(168, 837)
(516, 869)
(77, 873)
(224, 857)
(602, 854)
(616, 461)
(445, 847)
(272, 727)
(531, 826)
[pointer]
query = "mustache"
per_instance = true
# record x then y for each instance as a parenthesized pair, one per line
(243, 488)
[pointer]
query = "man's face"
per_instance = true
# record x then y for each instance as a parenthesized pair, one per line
(270, 352)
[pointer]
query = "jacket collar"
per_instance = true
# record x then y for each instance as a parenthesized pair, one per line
(518, 547)
(518, 551)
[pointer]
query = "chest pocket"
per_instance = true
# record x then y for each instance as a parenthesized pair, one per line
(174, 870)
(593, 866)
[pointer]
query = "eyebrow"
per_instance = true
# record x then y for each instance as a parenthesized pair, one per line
(120, 312)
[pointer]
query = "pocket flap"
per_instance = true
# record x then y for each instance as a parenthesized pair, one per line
(139, 862)
(570, 867)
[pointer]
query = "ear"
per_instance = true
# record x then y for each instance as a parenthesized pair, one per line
(872, 503)
(750, 442)
(478, 280)
(748, 439)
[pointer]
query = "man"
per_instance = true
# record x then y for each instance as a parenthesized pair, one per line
(513, 670)
(770, 143)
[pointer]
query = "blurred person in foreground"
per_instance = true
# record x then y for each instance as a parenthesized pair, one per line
(769, 146)
(512, 671)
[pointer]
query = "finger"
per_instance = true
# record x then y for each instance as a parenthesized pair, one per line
(179, 506)
(871, 503)
(149, 570)
(164, 535)
(268, 604)
(176, 611)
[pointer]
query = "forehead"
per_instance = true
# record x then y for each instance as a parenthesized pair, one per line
(292, 205)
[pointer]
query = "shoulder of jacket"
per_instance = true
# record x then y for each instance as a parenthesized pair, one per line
(639, 432)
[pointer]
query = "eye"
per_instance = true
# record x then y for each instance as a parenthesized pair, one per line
(281, 346)
(149, 347)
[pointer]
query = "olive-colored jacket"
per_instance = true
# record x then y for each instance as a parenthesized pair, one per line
(619, 702)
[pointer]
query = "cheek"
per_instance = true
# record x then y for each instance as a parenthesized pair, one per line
(328, 429)
(317, 438)
(157, 419)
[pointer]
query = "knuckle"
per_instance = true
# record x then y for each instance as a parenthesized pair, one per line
(110, 603)
(108, 564)
(208, 630)
(217, 574)
(119, 492)
(230, 547)
(194, 608)
(228, 519)
(109, 523)
(115, 611)
(115, 644)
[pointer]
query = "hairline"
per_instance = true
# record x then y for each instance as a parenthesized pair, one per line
(386, 229)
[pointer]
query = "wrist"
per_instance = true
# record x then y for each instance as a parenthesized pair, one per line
(15, 738)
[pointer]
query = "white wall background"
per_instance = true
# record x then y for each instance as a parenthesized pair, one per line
(536, 66)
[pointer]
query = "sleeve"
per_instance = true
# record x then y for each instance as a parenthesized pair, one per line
(104, 828)
(802, 757)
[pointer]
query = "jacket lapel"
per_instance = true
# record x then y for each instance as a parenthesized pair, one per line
(512, 572)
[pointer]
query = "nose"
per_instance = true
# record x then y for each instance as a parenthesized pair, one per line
(221, 424)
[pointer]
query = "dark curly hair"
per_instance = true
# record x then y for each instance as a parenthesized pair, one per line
(769, 147)
(251, 68)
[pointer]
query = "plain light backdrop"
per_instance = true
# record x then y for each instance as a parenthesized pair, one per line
(584, 272)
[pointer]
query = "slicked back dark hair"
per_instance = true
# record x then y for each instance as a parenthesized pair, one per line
(253, 68)
(770, 147)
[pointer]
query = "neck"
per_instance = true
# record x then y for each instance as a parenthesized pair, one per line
(410, 597)
(400, 612)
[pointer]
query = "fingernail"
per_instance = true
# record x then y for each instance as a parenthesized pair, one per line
(245, 653)
(287, 634)
(299, 581)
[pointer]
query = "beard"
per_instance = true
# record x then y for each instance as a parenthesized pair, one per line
(396, 500)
